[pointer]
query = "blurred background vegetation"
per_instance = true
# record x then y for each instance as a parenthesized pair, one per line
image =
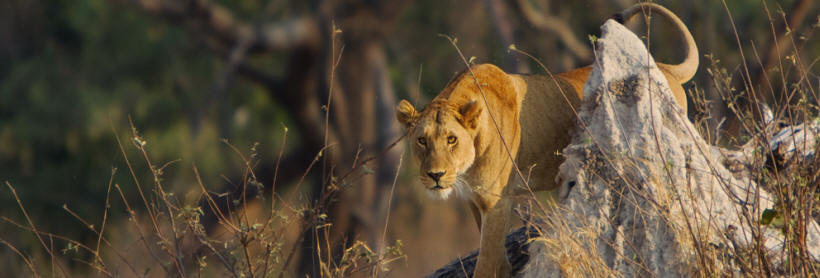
(76, 74)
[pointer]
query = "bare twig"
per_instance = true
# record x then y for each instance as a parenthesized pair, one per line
(134, 220)
(25, 259)
(50, 235)
(387, 217)
(156, 173)
(555, 25)
(34, 228)
(100, 237)
(781, 36)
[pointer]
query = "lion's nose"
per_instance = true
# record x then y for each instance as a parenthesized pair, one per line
(435, 175)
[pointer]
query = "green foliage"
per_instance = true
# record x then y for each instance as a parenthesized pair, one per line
(771, 217)
(72, 72)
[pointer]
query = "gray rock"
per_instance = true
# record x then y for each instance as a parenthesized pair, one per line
(647, 190)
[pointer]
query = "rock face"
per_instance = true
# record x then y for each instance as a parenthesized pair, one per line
(641, 190)
(642, 194)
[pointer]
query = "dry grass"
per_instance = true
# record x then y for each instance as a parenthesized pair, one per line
(260, 238)
(793, 181)
(573, 248)
(164, 235)
(254, 239)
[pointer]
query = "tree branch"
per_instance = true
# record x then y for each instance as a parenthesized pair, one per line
(555, 25)
(217, 22)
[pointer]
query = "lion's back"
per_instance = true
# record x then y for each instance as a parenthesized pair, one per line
(547, 119)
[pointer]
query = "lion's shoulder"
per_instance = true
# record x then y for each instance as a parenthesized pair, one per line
(498, 87)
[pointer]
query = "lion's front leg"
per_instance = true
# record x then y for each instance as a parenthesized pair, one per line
(492, 255)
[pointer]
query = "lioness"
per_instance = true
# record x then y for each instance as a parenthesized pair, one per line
(462, 150)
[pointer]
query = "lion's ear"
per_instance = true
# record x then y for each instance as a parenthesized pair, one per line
(406, 113)
(469, 114)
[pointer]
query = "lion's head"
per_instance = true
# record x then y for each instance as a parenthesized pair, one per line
(442, 139)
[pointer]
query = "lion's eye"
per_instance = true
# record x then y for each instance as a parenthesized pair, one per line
(451, 140)
(422, 141)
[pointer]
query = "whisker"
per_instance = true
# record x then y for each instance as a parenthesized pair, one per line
(462, 188)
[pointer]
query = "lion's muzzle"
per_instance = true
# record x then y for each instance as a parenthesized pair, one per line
(435, 175)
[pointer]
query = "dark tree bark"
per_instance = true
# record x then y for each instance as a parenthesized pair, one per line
(360, 95)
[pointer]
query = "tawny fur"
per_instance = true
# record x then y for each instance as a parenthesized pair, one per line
(469, 132)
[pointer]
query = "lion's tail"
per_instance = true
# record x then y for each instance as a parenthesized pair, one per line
(686, 69)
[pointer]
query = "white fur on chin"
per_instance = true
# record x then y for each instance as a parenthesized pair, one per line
(440, 194)
(460, 188)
